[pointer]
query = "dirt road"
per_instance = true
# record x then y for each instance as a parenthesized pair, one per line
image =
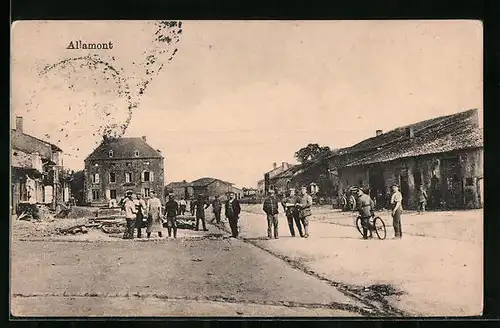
(187, 276)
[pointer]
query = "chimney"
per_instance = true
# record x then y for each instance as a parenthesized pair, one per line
(283, 165)
(19, 124)
(144, 138)
(379, 132)
(410, 132)
(275, 165)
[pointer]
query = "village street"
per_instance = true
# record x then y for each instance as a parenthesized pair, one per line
(436, 268)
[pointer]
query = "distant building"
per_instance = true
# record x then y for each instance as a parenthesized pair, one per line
(210, 187)
(180, 189)
(264, 185)
(121, 164)
(37, 173)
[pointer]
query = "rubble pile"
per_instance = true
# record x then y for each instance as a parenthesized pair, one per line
(75, 212)
(184, 222)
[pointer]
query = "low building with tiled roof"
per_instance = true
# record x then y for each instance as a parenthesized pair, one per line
(121, 164)
(181, 189)
(443, 154)
(211, 187)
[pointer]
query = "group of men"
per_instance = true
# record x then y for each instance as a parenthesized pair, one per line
(297, 210)
(231, 206)
(366, 208)
(152, 215)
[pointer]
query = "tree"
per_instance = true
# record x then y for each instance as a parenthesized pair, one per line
(310, 152)
(77, 186)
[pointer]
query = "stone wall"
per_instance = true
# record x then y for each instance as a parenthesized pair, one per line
(135, 166)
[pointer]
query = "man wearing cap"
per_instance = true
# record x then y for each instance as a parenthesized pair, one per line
(171, 208)
(232, 212)
(130, 215)
(155, 222)
(270, 207)
(201, 206)
(365, 207)
(291, 213)
(140, 205)
(304, 203)
(397, 209)
(216, 208)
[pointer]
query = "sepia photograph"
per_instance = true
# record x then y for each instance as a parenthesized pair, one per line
(246, 168)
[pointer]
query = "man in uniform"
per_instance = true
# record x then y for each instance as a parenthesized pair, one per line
(182, 206)
(304, 203)
(216, 208)
(130, 215)
(155, 221)
(366, 207)
(397, 209)
(270, 207)
(422, 199)
(201, 206)
(232, 212)
(291, 212)
(140, 205)
(171, 208)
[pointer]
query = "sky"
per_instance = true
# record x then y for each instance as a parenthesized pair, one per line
(238, 96)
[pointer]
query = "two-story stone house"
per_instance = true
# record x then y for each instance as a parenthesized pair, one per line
(121, 164)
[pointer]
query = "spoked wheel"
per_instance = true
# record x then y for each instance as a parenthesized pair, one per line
(359, 226)
(380, 228)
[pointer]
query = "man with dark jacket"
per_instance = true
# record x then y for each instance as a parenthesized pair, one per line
(216, 208)
(171, 209)
(366, 207)
(232, 212)
(201, 206)
(270, 207)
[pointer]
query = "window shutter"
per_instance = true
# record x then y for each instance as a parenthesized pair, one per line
(151, 177)
(142, 176)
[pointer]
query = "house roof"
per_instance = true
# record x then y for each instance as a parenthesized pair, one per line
(438, 135)
(30, 144)
(206, 181)
(178, 184)
(124, 148)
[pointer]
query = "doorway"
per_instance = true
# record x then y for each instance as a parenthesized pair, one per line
(377, 186)
(405, 187)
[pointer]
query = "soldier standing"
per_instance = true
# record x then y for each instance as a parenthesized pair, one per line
(130, 215)
(270, 207)
(365, 207)
(422, 199)
(397, 209)
(216, 208)
(171, 208)
(291, 213)
(155, 222)
(232, 211)
(304, 203)
(201, 206)
(140, 205)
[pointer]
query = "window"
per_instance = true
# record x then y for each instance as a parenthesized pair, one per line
(128, 177)
(136, 153)
(146, 176)
(95, 178)
(112, 177)
(110, 153)
(146, 192)
(469, 182)
(95, 194)
(112, 194)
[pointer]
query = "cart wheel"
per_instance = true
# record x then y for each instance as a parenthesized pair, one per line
(359, 226)
(380, 228)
